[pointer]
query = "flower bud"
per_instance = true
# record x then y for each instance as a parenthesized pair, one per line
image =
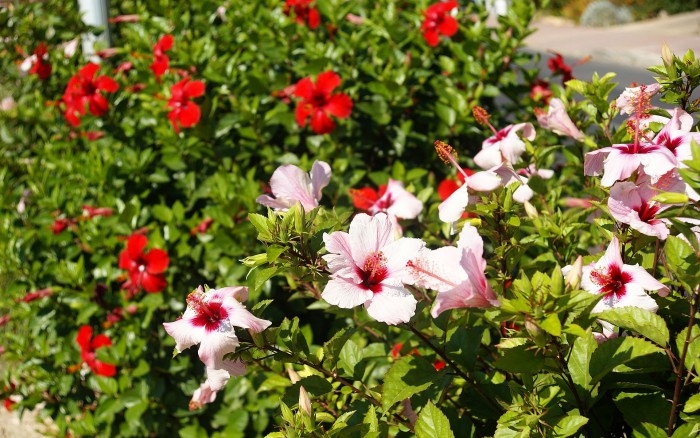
(573, 277)
(304, 401)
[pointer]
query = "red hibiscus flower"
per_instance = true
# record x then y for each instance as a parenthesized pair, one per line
(558, 66)
(88, 346)
(318, 102)
(184, 113)
(146, 270)
(304, 13)
(84, 89)
(540, 91)
(366, 197)
(202, 227)
(160, 59)
(438, 21)
(41, 66)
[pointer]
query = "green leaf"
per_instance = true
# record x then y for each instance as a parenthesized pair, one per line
(349, 356)
(619, 351)
(433, 423)
(551, 324)
(446, 114)
(692, 357)
(520, 359)
(262, 225)
(408, 376)
(646, 323)
(692, 404)
(569, 425)
(580, 360)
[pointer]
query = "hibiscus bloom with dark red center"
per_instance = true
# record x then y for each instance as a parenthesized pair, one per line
(304, 13)
(438, 21)
(318, 102)
(89, 345)
(146, 269)
(84, 89)
(160, 59)
(183, 112)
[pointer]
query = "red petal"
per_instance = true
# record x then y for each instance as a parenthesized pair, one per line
(173, 116)
(153, 283)
(340, 105)
(164, 44)
(160, 65)
(302, 112)
(446, 188)
(363, 198)
(314, 18)
(321, 123)
(83, 337)
(194, 89)
(327, 81)
(156, 261)
(100, 341)
(431, 37)
(88, 72)
(304, 89)
(189, 115)
(449, 26)
(103, 369)
(135, 245)
(105, 83)
(98, 105)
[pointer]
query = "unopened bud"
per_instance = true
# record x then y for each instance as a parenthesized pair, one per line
(573, 276)
(293, 376)
(530, 210)
(666, 54)
(304, 401)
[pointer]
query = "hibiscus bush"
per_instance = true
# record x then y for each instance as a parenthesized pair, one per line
(302, 217)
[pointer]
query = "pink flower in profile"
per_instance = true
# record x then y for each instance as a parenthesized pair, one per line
(630, 99)
(452, 208)
(504, 145)
(456, 273)
(318, 103)
(620, 285)
(557, 120)
(290, 185)
(438, 21)
(209, 320)
(632, 205)
(216, 380)
(368, 267)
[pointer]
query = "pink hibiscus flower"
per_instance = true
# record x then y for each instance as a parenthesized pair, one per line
(318, 103)
(290, 185)
(557, 120)
(632, 205)
(368, 267)
(620, 285)
(209, 320)
(456, 273)
(395, 201)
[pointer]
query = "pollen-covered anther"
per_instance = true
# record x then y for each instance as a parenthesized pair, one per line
(446, 152)
(481, 115)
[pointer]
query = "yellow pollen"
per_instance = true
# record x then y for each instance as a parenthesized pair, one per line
(446, 153)
(481, 115)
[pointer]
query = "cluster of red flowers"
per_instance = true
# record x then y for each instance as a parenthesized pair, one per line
(85, 89)
(145, 269)
(40, 64)
(438, 21)
(88, 346)
(318, 102)
(303, 12)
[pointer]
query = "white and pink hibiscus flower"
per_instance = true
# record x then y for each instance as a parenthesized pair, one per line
(557, 120)
(632, 205)
(452, 208)
(634, 98)
(505, 145)
(619, 284)
(290, 185)
(620, 161)
(456, 273)
(209, 320)
(368, 267)
(676, 135)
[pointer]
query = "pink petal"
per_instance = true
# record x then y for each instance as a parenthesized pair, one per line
(470, 239)
(320, 177)
(404, 205)
(185, 333)
(215, 344)
(450, 210)
(399, 252)
(291, 184)
(368, 235)
(485, 181)
(437, 269)
(339, 259)
(345, 294)
(393, 305)
(489, 157)
(239, 316)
